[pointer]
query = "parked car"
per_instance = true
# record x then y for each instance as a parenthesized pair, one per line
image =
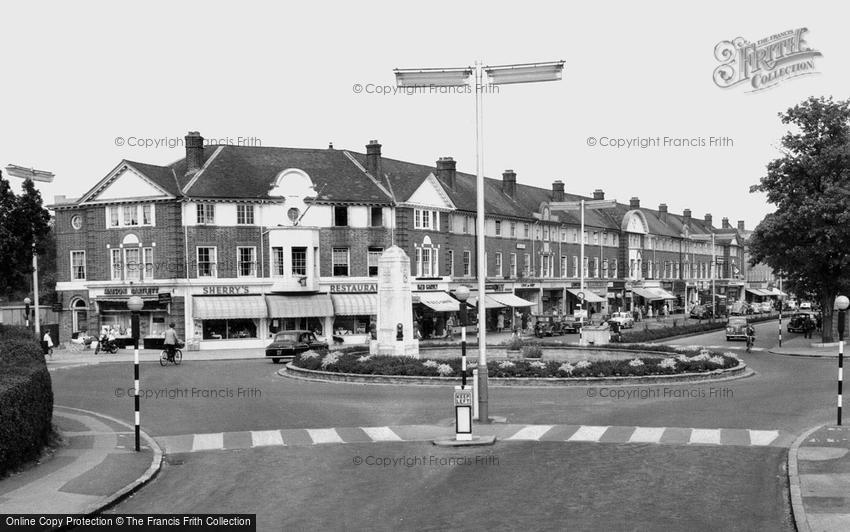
(701, 312)
(797, 323)
(756, 308)
(547, 326)
(572, 324)
(736, 329)
(740, 308)
(624, 319)
(766, 307)
(806, 305)
(287, 344)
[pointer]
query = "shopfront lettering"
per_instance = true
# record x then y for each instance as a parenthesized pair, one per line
(426, 286)
(225, 290)
(133, 290)
(354, 288)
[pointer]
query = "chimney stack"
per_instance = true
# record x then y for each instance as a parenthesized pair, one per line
(726, 224)
(558, 190)
(194, 152)
(330, 145)
(509, 182)
(686, 216)
(598, 194)
(373, 159)
(708, 219)
(662, 212)
(447, 171)
(741, 225)
(634, 203)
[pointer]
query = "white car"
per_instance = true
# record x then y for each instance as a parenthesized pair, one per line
(805, 305)
(625, 319)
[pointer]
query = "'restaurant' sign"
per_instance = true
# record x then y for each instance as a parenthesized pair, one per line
(353, 288)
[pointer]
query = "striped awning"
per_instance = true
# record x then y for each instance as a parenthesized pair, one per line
(228, 307)
(760, 292)
(653, 294)
(510, 300)
(300, 306)
(489, 302)
(589, 296)
(355, 304)
(438, 301)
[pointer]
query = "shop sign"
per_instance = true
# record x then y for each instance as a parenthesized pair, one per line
(424, 287)
(165, 297)
(494, 287)
(225, 290)
(353, 288)
(131, 290)
(527, 285)
(520, 246)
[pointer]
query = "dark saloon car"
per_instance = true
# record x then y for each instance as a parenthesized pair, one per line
(701, 312)
(798, 321)
(736, 329)
(572, 324)
(547, 326)
(287, 344)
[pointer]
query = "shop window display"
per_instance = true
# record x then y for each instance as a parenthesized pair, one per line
(229, 329)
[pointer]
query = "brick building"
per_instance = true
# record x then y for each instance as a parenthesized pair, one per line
(233, 243)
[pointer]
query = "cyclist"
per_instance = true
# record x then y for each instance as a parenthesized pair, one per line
(171, 341)
(751, 336)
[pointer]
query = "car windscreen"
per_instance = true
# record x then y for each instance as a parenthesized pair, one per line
(286, 337)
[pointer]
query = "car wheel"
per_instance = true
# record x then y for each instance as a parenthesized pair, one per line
(276, 360)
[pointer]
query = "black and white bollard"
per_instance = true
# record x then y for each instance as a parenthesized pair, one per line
(841, 304)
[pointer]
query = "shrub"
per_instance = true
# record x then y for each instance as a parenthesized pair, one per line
(514, 344)
(26, 398)
(532, 351)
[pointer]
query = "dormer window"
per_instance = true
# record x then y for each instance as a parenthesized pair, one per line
(206, 213)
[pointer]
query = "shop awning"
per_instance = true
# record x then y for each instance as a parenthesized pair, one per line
(355, 304)
(777, 292)
(589, 296)
(760, 292)
(300, 306)
(228, 307)
(653, 294)
(438, 301)
(119, 304)
(489, 302)
(510, 300)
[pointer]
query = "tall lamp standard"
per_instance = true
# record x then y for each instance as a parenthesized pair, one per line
(841, 304)
(581, 205)
(463, 76)
(462, 294)
(135, 304)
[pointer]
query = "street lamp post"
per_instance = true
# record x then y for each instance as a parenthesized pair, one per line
(581, 205)
(781, 297)
(462, 294)
(841, 304)
(35, 291)
(456, 77)
(135, 304)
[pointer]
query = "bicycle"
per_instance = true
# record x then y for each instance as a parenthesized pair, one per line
(175, 359)
(750, 341)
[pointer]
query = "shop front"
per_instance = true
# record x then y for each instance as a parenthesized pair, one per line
(432, 310)
(531, 292)
(113, 315)
(230, 322)
(590, 301)
(653, 299)
(301, 311)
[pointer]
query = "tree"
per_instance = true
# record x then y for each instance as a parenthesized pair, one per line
(23, 222)
(807, 238)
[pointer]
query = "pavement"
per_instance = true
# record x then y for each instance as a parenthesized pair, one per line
(819, 473)
(95, 466)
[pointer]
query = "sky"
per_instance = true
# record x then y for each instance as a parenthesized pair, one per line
(76, 76)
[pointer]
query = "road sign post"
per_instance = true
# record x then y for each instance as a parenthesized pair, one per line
(463, 413)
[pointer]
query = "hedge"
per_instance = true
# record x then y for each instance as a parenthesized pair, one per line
(26, 399)
(648, 335)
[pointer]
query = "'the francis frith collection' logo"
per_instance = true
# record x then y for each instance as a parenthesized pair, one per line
(765, 63)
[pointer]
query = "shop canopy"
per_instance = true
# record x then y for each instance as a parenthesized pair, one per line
(228, 307)
(489, 302)
(760, 292)
(300, 306)
(589, 296)
(355, 304)
(510, 300)
(438, 301)
(777, 292)
(653, 293)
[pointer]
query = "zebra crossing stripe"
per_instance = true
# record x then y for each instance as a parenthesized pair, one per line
(763, 437)
(381, 434)
(588, 433)
(208, 442)
(324, 436)
(646, 435)
(705, 436)
(531, 432)
(264, 438)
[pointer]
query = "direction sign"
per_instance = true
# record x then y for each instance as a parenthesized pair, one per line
(580, 296)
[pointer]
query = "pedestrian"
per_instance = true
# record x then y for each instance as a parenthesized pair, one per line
(808, 325)
(500, 322)
(666, 310)
(450, 328)
(819, 321)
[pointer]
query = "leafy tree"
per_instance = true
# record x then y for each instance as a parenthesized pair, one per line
(807, 238)
(23, 222)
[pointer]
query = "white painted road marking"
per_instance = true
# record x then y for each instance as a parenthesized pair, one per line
(263, 438)
(381, 434)
(763, 437)
(531, 432)
(588, 433)
(706, 436)
(646, 435)
(324, 436)
(208, 442)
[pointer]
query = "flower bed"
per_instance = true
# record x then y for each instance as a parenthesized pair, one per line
(678, 362)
